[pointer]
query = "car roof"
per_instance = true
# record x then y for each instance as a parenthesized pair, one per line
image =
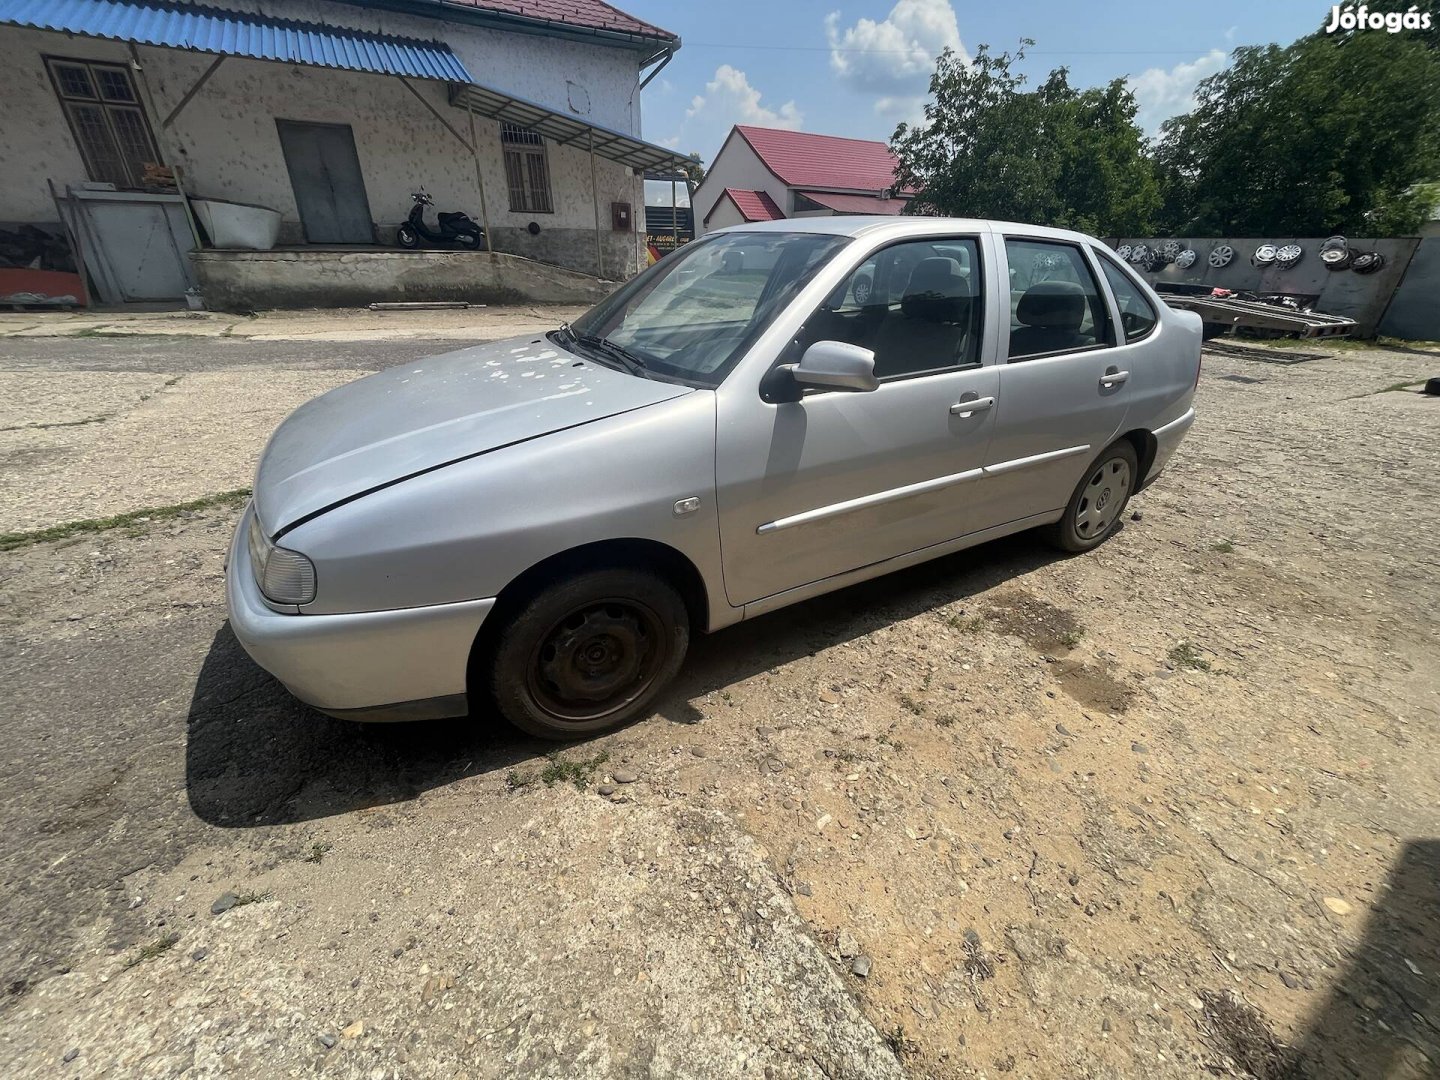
(857, 225)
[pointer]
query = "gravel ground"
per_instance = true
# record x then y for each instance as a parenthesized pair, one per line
(1169, 809)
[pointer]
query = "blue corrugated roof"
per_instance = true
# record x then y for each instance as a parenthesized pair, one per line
(238, 33)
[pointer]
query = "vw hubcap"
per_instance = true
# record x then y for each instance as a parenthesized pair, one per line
(1102, 499)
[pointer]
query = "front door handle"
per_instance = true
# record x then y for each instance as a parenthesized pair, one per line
(1113, 377)
(974, 405)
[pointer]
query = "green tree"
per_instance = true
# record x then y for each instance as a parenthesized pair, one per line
(1334, 133)
(1054, 156)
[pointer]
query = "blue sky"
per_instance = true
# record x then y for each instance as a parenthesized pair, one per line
(856, 67)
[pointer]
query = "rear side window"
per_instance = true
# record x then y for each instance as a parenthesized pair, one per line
(1055, 301)
(1137, 315)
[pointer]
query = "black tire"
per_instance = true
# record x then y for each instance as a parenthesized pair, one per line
(1093, 513)
(589, 653)
(407, 237)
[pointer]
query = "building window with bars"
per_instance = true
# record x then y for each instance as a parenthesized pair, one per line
(527, 173)
(106, 119)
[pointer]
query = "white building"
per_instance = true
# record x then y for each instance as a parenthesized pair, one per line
(525, 113)
(762, 174)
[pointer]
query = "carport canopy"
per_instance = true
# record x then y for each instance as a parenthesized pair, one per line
(566, 130)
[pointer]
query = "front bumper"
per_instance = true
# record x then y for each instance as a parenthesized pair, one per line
(406, 664)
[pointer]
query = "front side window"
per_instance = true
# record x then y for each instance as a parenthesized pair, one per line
(1137, 316)
(1055, 303)
(527, 172)
(691, 315)
(105, 116)
(916, 305)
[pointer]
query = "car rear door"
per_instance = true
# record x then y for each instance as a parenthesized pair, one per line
(1063, 391)
(840, 480)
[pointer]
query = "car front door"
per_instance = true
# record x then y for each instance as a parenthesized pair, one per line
(1062, 384)
(839, 479)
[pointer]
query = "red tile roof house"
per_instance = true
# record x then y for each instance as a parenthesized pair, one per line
(762, 174)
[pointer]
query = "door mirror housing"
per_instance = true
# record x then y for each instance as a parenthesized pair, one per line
(836, 365)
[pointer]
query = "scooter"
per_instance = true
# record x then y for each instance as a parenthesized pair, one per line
(454, 228)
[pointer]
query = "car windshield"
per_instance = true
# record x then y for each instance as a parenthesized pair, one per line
(691, 315)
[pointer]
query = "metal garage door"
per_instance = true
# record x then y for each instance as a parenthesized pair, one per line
(329, 190)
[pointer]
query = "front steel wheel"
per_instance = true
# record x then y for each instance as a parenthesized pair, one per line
(1095, 509)
(589, 653)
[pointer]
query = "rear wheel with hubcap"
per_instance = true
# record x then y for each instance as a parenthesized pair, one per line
(589, 653)
(1094, 510)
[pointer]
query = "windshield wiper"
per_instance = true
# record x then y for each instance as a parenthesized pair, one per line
(607, 348)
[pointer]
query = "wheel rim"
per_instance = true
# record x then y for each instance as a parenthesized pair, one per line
(1104, 495)
(597, 660)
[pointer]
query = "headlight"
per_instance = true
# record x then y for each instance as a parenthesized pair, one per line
(284, 576)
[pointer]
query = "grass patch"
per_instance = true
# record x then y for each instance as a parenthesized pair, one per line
(61, 423)
(1222, 547)
(156, 948)
(1186, 655)
(558, 770)
(966, 624)
(577, 771)
(317, 852)
(9, 541)
(1071, 638)
(253, 898)
(911, 704)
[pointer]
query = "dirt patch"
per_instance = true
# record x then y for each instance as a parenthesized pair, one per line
(1039, 623)
(1093, 686)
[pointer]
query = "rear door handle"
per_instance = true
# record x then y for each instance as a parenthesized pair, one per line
(974, 405)
(1113, 378)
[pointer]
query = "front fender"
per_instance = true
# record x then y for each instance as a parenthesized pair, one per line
(466, 531)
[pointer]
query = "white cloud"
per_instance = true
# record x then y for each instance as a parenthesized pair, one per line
(895, 57)
(730, 94)
(728, 99)
(1162, 94)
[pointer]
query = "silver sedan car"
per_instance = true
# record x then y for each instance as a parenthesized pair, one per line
(770, 413)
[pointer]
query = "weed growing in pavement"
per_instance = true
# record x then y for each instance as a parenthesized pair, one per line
(515, 780)
(154, 949)
(8, 541)
(898, 1041)
(1187, 655)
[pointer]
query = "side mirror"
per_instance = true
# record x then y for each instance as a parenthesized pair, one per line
(835, 365)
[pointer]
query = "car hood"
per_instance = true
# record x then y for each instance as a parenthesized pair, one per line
(412, 419)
